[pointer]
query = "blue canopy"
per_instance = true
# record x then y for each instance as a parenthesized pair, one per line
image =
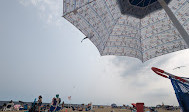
(182, 93)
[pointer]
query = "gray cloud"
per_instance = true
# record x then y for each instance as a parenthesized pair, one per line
(135, 67)
(153, 89)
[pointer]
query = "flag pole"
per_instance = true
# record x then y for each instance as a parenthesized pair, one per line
(175, 21)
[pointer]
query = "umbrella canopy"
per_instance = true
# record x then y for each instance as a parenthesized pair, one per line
(115, 29)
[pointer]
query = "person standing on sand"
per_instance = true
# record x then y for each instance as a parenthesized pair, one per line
(58, 100)
(62, 104)
(39, 103)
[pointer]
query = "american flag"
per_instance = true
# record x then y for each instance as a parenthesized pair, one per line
(69, 97)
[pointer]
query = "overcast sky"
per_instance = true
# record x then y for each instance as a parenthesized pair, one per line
(41, 54)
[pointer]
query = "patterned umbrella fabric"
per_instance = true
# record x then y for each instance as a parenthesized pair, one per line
(143, 29)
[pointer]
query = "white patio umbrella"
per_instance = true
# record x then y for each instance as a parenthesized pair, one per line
(143, 29)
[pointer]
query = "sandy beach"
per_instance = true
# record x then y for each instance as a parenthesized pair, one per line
(106, 110)
(118, 110)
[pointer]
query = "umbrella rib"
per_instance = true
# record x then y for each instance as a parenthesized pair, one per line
(141, 41)
(132, 1)
(165, 31)
(109, 10)
(181, 6)
(88, 3)
(162, 18)
(143, 3)
(127, 47)
(130, 26)
(140, 30)
(110, 34)
(99, 17)
(136, 5)
(126, 36)
(164, 44)
(147, 8)
(115, 22)
(91, 27)
(75, 8)
(102, 23)
(155, 22)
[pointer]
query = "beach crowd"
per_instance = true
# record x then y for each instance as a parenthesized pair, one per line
(38, 106)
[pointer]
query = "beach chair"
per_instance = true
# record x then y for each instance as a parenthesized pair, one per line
(33, 107)
(9, 107)
(180, 85)
(26, 107)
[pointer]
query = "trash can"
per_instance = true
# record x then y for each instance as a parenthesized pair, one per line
(140, 107)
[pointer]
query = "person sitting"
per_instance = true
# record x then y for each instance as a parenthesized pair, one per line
(47, 108)
(11, 103)
(53, 104)
(9, 106)
(88, 107)
(4, 106)
(80, 109)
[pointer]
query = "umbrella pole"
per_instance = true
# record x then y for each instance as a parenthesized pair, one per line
(175, 21)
